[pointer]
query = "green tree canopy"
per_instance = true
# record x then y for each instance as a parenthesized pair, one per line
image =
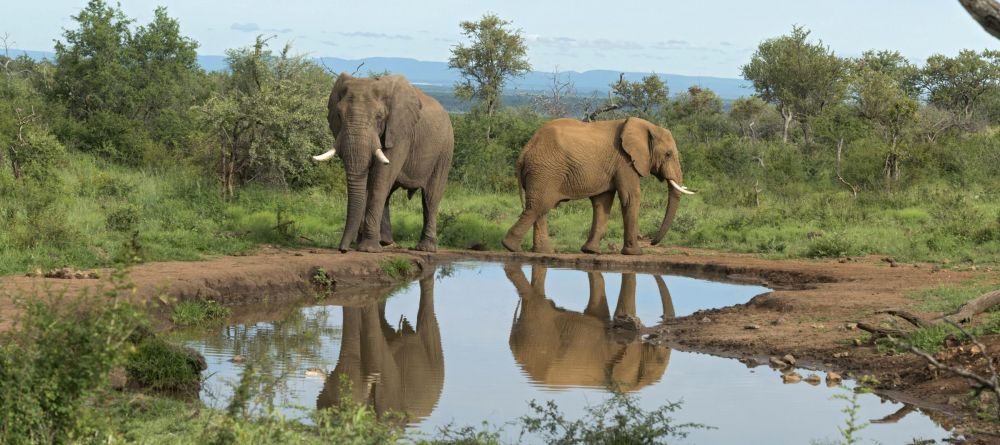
(799, 77)
(959, 83)
(494, 54)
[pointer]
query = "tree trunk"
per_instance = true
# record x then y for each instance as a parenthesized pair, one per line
(788, 116)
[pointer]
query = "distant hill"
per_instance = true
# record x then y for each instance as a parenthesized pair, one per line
(437, 74)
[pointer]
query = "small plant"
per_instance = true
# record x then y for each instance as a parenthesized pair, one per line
(161, 366)
(619, 420)
(322, 280)
(123, 219)
(199, 312)
(397, 267)
(830, 246)
(851, 425)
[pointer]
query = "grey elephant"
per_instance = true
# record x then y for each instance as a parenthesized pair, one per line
(390, 135)
(568, 159)
(393, 370)
(558, 347)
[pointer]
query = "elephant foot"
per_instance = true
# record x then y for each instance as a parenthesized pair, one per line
(631, 251)
(544, 248)
(511, 245)
(426, 245)
(591, 248)
(369, 245)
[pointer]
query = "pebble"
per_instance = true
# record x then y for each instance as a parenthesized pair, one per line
(840, 354)
(752, 326)
(813, 379)
(776, 362)
(832, 377)
(850, 326)
(706, 320)
(791, 377)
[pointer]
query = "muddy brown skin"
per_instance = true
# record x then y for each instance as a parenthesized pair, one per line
(567, 159)
(558, 347)
(389, 116)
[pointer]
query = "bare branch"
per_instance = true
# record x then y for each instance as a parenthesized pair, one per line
(913, 319)
(840, 149)
(986, 12)
(973, 307)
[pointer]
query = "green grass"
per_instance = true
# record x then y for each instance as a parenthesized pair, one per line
(177, 214)
(199, 312)
(162, 366)
(398, 268)
(948, 298)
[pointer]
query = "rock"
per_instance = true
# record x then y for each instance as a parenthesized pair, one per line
(626, 322)
(813, 379)
(789, 358)
(776, 362)
(706, 320)
(752, 326)
(238, 359)
(777, 321)
(850, 326)
(818, 326)
(750, 362)
(791, 378)
(840, 354)
(857, 341)
(832, 377)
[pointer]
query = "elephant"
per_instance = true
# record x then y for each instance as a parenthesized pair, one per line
(393, 370)
(389, 135)
(568, 159)
(558, 348)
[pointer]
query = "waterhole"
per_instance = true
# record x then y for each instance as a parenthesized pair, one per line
(478, 341)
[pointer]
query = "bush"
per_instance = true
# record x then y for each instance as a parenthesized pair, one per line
(198, 312)
(828, 246)
(161, 366)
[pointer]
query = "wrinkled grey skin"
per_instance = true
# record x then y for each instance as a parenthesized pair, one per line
(415, 134)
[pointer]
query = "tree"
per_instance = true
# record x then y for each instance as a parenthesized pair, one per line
(638, 98)
(882, 98)
(555, 102)
(495, 54)
(799, 77)
(959, 83)
(268, 118)
(128, 88)
(747, 113)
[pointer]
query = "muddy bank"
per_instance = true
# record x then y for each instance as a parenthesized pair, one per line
(269, 280)
(807, 314)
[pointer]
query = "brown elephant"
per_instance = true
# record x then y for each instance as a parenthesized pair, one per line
(557, 347)
(400, 371)
(389, 135)
(568, 159)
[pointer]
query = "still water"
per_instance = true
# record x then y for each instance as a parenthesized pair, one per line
(478, 341)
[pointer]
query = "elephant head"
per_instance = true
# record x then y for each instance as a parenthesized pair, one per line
(653, 150)
(368, 116)
(557, 348)
(400, 371)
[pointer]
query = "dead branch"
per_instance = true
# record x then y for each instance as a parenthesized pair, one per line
(896, 416)
(977, 305)
(609, 106)
(356, 70)
(986, 12)
(840, 148)
(913, 319)
(880, 332)
(982, 383)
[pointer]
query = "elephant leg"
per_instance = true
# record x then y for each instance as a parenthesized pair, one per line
(431, 196)
(597, 304)
(540, 239)
(534, 207)
(599, 224)
(385, 229)
(630, 214)
(378, 194)
(626, 297)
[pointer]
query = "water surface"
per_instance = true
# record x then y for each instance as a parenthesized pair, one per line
(477, 341)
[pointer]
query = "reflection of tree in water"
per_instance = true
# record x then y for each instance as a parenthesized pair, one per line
(558, 348)
(397, 369)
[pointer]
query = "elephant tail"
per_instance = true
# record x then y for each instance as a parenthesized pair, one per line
(520, 179)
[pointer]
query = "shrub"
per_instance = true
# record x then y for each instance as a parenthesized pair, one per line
(197, 312)
(828, 246)
(161, 366)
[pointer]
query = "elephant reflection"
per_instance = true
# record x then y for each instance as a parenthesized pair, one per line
(557, 347)
(397, 370)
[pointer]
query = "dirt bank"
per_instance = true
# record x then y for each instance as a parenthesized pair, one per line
(272, 278)
(805, 315)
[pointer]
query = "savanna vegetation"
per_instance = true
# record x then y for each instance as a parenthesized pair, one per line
(123, 149)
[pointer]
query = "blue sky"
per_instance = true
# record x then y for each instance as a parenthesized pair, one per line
(665, 36)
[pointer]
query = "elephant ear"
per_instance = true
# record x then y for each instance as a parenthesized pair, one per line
(404, 112)
(636, 143)
(332, 115)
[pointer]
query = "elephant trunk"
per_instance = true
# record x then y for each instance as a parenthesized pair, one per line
(356, 151)
(673, 201)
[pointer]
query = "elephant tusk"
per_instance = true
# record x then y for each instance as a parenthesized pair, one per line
(381, 156)
(326, 156)
(680, 188)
